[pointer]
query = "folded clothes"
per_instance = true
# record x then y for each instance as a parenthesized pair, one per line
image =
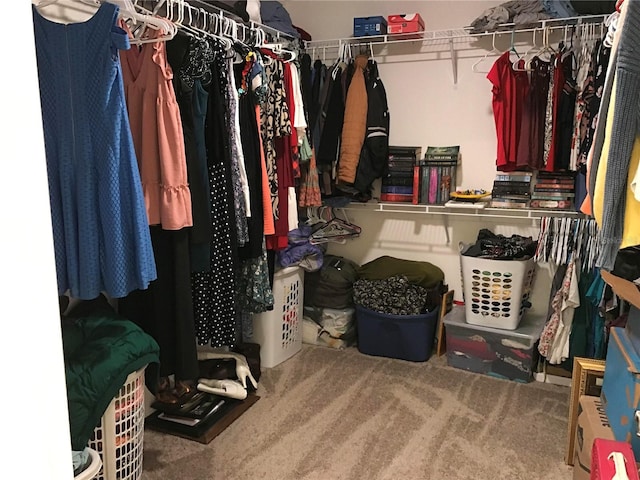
(519, 12)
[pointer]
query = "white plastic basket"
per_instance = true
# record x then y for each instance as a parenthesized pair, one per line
(118, 438)
(279, 331)
(496, 291)
(92, 469)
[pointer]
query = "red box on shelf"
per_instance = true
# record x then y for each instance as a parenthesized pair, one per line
(409, 25)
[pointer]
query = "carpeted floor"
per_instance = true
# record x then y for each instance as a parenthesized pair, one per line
(330, 415)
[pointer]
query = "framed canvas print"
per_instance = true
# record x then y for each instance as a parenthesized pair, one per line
(586, 379)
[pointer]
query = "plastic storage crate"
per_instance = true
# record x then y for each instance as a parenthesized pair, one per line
(279, 331)
(507, 354)
(407, 337)
(118, 439)
(496, 292)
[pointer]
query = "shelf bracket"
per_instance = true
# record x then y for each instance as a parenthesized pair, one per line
(454, 62)
(445, 222)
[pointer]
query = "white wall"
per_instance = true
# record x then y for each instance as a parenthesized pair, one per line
(427, 108)
(33, 405)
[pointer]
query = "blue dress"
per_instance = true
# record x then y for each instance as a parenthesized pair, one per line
(100, 227)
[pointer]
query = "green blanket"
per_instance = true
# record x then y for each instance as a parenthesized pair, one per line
(101, 349)
(424, 274)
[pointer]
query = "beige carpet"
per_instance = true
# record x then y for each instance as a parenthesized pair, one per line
(329, 415)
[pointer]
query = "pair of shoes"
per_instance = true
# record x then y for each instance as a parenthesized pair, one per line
(217, 368)
(224, 388)
(242, 368)
(184, 390)
(251, 351)
(164, 393)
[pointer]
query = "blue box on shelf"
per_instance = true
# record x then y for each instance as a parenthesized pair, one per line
(406, 337)
(369, 26)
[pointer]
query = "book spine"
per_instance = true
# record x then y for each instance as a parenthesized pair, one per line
(399, 173)
(560, 196)
(416, 185)
(398, 181)
(424, 184)
(513, 178)
(506, 204)
(395, 197)
(561, 204)
(402, 190)
(552, 188)
(433, 185)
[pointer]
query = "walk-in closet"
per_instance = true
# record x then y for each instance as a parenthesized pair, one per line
(321, 240)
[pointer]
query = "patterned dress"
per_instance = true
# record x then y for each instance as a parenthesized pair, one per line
(214, 291)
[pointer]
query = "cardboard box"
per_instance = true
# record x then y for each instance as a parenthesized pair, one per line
(369, 26)
(592, 424)
(406, 23)
(630, 292)
(621, 388)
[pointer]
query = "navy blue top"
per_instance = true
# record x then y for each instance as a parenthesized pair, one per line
(100, 228)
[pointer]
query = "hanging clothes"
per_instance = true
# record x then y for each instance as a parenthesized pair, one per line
(354, 123)
(165, 309)
(214, 291)
(531, 152)
(276, 123)
(100, 227)
(157, 133)
(189, 59)
(239, 182)
(583, 74)
(250, 139)
(554, 340)
(564, 113)
(509, 90)
(592, 96)
(375, 151)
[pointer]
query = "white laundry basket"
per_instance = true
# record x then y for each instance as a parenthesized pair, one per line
(496, 292)
(118, 438)
(279, 331)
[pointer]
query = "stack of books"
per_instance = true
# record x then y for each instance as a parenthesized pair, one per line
(198, 409)
(435, 176)
(398, 184)
(511, 190)
(554, 190)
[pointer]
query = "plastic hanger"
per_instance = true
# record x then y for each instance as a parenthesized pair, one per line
(493, 51)
(527, 63)
(546, 49)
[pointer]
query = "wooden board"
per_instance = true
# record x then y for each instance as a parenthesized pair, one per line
(445, 307)
(210, 429)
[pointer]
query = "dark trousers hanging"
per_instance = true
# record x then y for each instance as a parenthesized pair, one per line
(165, 309)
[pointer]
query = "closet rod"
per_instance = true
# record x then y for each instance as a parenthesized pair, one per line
(456, 34)
(247, 28)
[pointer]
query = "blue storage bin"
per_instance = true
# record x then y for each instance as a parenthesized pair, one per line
(369, 26)
(407, 337)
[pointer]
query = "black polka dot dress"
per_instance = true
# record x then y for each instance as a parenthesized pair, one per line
(213, 291)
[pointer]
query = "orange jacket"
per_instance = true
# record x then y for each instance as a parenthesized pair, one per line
(355, 123)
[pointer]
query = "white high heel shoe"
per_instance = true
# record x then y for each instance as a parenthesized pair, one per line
(224, 388)
(242, 367)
